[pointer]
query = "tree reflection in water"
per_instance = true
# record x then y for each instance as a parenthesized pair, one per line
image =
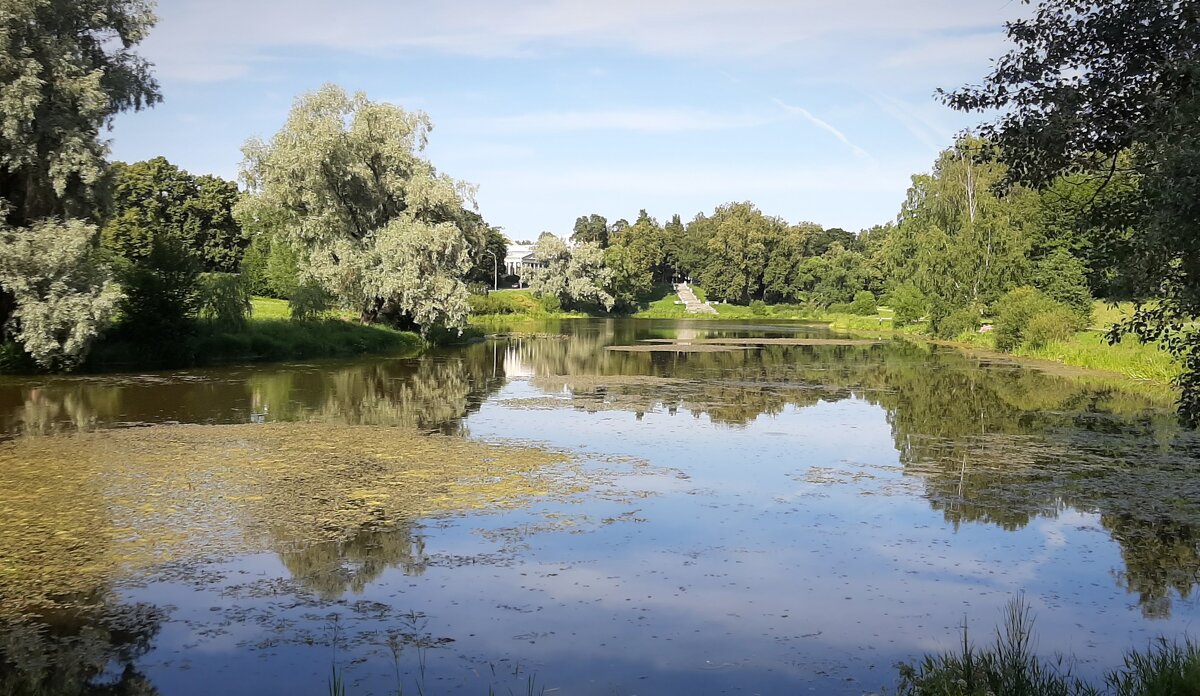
(89, 652)
(999, 446)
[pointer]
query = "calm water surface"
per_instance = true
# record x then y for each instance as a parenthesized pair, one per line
(770, 519)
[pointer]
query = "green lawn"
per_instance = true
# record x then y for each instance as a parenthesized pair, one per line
(269, 308)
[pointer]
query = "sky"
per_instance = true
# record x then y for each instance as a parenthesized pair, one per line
(813, 110)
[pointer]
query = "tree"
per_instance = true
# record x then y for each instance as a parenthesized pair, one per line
(821, 240)
(637, 256)
(737, 236)
(64, 295)
(788, 252)
(1087, 83)
(591, 228)
(956, 240)
(66, 69)
(576, 277)
(155, 198)
(834, 277)
(377, 226)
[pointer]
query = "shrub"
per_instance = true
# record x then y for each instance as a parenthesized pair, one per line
(1019, 307)
(308, 302)
(63, 295)
(908, 304)
(864, 303)
(1057, 324)
(224, 300)
(550, 303)
(1063, 278)
(162, 292)
(758, 307)
(958, 322)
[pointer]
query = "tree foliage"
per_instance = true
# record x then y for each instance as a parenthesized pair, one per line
(345, 182)
(1087, 83)
(66, 69)
(591, 229)
(64, 295)
(154, 198)
(959, 242)
(737, 237)
(573, 277)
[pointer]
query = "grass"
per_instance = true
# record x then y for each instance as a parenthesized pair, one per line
(269, 335)
(506, 304)
(269, 308)
(1009, 667)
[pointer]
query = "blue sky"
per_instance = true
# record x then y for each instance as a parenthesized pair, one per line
(813, 110)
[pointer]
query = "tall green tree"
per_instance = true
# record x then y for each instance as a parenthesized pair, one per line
(378, 227)
(66, 69)
(637, 256)
(788, 252)
(65, 295)
(959, 242)
(576, 277)
(154, 198)
(737, 237)
(1086, 81)
(591, 229)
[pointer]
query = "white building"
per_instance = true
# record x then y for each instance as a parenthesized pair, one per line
(519, 259)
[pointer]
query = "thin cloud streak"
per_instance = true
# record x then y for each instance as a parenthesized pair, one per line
(799, 111)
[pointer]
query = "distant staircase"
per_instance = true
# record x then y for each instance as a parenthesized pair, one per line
(691, 303)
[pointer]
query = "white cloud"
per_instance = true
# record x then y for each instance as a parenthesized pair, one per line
(823, 125)
(220, 39)
(917, 121)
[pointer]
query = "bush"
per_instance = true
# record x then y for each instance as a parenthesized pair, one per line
(224, 300)
(1058, 324)
(908, 305)
(550, 303)
(958, 322)
(494, 303)
(1063, 278)
(758, 307)
(864, 303)
(162, 292)
(309, 302)
(63, 295)
(1017, 309)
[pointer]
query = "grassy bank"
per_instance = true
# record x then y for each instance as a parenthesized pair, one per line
(268, 335)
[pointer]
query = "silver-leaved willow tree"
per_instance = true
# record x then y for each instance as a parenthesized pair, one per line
(344, 182)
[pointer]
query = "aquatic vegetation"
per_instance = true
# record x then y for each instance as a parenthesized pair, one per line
(1009, 667)
(77, 510)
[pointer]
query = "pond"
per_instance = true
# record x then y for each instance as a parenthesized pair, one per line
(585, 507)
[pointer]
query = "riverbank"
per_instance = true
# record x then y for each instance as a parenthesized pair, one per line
(269, 335)
(1140, 363)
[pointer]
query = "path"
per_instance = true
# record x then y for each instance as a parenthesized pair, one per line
(691, 302)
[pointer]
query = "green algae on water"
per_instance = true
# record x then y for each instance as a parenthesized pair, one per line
(78, 512)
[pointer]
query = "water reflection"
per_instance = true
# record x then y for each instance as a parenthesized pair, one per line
(987, 446)
(79, 653)
(333, 568)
